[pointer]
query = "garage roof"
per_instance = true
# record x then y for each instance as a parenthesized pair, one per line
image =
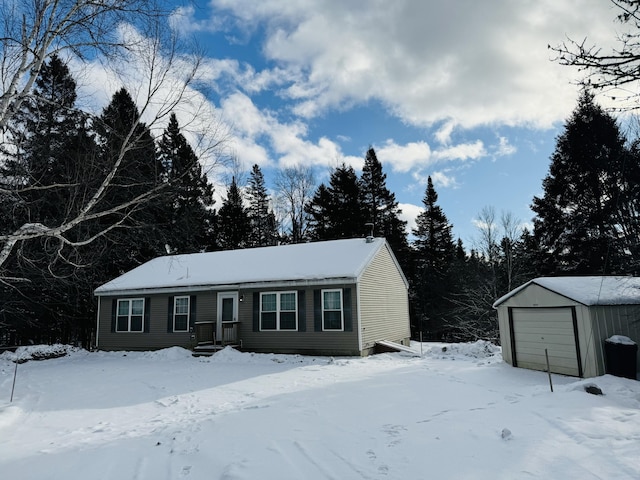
(593, 290)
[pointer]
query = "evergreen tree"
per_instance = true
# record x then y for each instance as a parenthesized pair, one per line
(318, 211)
(51, 160)
(234, 225)
(435, 253)
(264, 230)
(345, 210)
(144, 228)
(189, 195)
(575, 218)
(381, 207)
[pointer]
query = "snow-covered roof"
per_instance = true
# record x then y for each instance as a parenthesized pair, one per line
(593, 290)
(300, 263)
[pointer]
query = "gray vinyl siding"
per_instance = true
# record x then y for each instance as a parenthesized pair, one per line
(608, 321)
(308, 342)
(384, 302)
(157, 336)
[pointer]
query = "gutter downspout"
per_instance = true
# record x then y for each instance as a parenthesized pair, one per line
(359, 316)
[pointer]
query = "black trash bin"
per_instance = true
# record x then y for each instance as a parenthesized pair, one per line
(620, 356)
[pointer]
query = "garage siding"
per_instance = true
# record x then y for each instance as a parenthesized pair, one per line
(536, 329)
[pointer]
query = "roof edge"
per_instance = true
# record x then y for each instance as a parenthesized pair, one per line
(227, 286)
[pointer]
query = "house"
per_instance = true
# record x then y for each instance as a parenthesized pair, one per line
(336, 297)
(568, 319)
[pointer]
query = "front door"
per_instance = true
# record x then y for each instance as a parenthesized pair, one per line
(227, 312)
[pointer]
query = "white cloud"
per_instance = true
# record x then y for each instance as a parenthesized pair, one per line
(504, 148)
(409, 214)
(287, 141)
(463, 151)
(443, 179)
(443, 134)
(476, 64)
(403, 158)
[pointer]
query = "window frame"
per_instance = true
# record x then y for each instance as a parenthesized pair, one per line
(187, 314)
(130, 315)
(278, 311)
(327, 310)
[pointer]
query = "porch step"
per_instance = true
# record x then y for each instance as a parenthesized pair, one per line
(209, 349)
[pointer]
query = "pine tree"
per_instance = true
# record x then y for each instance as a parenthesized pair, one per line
(144, 228)
(189, 195)
(51, 160)
(381, 207)
(575, 218)
(345, 210)
(264, 230)
(318, 211)
(234, 224)
(435, 253)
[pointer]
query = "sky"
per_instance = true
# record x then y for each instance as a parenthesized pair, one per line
(449, 411)
(463, 91)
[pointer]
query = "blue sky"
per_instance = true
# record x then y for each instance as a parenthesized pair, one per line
(462, 91)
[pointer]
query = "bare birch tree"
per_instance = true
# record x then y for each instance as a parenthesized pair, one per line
(125, 31)
(294, 188)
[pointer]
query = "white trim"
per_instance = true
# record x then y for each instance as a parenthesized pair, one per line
(278, 311)
(341, 292)
(359, 319)
(129, 314)
(188, 297)
(301, 284)
(220, 297)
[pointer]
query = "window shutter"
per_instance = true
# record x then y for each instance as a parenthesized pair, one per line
(302, 312)
(114, 308)
(346, 307)
(147, 309)
(192, 313)
(256, 311)
(170, 314)
(317, 310)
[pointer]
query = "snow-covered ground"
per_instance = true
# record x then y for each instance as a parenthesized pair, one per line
(457, 412)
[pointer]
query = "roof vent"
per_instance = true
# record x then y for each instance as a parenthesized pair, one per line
(369, 239)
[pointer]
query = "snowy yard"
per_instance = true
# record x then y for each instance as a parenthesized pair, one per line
(455, 414)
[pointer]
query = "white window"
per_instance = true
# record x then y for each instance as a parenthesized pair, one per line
(130, 315)
(181, 314)
(279, 311)
(332, 314)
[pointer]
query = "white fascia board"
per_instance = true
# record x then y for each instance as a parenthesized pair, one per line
(235, 286)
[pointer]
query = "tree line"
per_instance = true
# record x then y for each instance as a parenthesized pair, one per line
(160, 201)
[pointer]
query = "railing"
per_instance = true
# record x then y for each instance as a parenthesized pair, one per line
(206, 333)
(230, 333)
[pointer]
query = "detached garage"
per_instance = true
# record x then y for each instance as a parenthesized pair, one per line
(570, 318)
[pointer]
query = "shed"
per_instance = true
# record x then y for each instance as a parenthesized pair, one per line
(336, 297)
(570, 318)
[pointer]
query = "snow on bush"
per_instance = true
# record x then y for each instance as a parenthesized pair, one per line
(480, 349)
(38, 352)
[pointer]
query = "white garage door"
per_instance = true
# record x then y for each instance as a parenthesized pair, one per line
(537, 329)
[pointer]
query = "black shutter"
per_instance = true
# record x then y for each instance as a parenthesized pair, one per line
(346, 307)
(302, 312)
(170, 314)
(256, 311)
(147, 310)
(317, 310)
(114, 309)
(192, 313)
